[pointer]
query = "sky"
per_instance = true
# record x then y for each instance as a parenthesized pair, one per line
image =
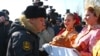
(62, 5)
(16, 7)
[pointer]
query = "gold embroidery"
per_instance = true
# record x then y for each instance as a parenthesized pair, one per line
(26, 45)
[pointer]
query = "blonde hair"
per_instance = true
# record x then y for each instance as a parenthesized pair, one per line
(93, 8)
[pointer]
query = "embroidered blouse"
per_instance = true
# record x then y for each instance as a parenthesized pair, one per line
(88, 38)
(65, 39)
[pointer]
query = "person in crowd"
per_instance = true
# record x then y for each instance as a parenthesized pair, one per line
(55, 24)
(68, 34)
(46, 35)
(4, 28)
(2, 36)
(23, 33)
(64, 39)
(90, 34)
(6, 13)
(7, 16)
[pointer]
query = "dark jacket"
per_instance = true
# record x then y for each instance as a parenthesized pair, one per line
(4, 38)
(22, 42)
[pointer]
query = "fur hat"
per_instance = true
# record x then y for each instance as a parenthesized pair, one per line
(34, 12)
(5, 11)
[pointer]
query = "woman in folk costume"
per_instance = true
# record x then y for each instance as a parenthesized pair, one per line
(90, 34)
(66, 37)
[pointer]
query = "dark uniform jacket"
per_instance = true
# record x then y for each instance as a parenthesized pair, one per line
(22, 42)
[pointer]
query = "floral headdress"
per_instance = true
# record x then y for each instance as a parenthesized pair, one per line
(94, 4)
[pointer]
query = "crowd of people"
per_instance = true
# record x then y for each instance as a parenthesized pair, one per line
(27, 35)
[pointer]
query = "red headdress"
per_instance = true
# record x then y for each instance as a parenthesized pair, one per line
(77, 18)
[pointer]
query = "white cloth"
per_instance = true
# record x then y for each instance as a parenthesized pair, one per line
(60, 51)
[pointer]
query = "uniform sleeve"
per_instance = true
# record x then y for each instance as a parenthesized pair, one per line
(21, 45)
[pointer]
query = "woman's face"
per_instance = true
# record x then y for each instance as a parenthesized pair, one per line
(69, 21)
(90, 18)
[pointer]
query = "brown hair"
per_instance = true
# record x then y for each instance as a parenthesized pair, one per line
(75, 17)
(95, 12)
(70, 14)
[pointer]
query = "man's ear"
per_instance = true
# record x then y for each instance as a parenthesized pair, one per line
(31, 21)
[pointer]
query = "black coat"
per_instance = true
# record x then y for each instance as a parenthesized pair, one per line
(22, 42)
(3, 38)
